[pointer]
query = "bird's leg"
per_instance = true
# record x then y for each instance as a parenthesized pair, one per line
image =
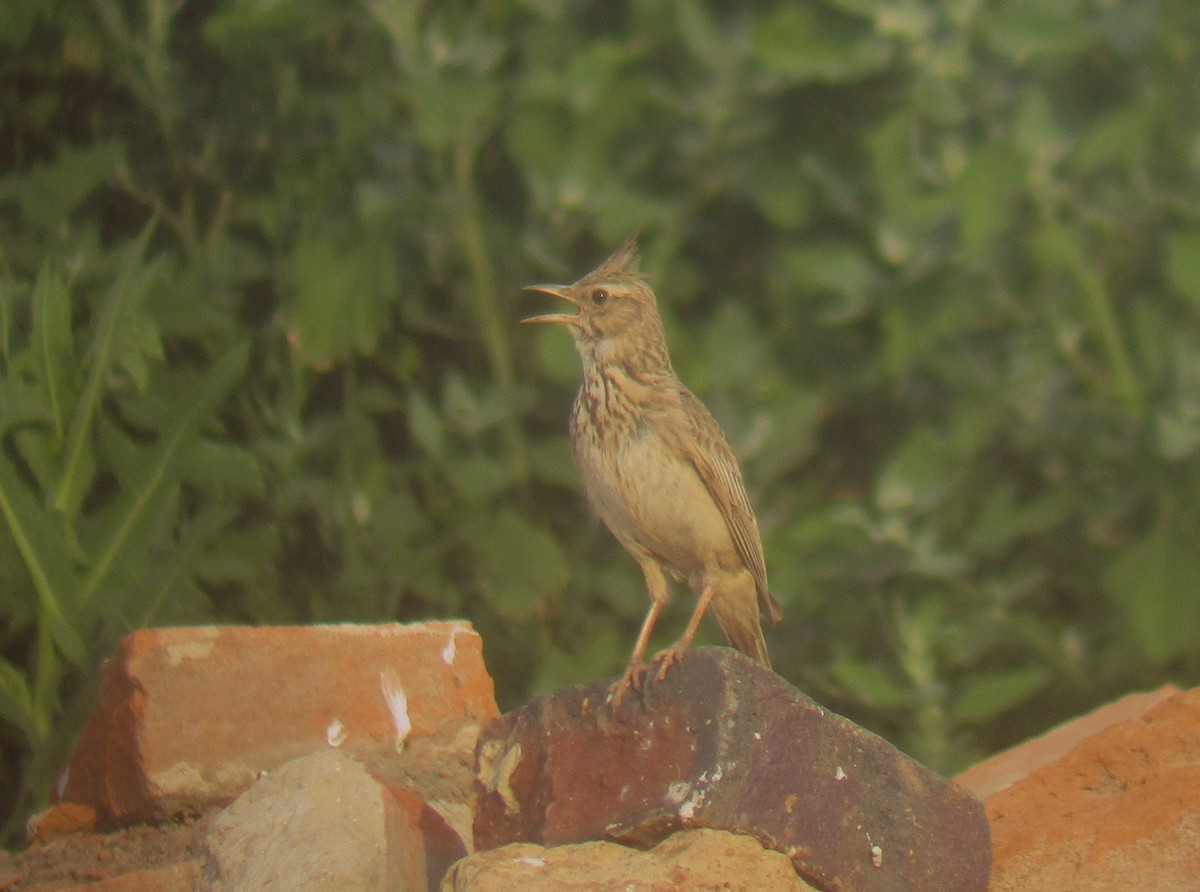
(656, 583)
(671, 655)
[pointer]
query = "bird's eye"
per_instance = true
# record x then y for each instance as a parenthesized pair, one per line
(599, 297)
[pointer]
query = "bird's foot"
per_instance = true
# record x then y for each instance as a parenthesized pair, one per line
(668, 657)
(632, 679)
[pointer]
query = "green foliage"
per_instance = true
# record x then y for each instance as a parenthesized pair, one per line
(935, 266)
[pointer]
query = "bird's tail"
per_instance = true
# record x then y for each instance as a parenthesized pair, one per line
(737, 618)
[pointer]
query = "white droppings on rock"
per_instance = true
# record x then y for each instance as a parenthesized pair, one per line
(450, 651)
(397, 704)
(335, 734)
(677, 791)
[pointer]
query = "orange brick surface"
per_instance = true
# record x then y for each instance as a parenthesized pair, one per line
(188, 717)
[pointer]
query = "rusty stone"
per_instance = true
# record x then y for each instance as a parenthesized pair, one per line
(723, 743)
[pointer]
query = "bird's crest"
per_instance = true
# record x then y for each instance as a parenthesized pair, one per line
(621, 264)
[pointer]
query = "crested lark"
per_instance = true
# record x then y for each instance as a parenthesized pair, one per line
(657, 468)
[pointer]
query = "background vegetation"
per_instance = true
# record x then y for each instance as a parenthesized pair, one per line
(934, 264)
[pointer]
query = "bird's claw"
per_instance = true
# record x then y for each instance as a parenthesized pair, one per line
(665, 659)
(632, 679)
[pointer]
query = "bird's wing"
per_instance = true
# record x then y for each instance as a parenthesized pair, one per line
(707, 450)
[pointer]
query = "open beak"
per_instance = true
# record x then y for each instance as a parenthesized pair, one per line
(559, 291)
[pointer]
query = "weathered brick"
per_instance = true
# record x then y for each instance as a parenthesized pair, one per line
(1107, 802)
(323, 822)
(189, 717)
(695, 860)
(723, 743)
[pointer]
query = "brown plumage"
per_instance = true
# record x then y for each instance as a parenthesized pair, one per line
(657, 468)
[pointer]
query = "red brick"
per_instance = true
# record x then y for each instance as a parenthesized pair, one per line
(1118, 810)
(430, 844)
(188, 717)
(1004, 769)
(723, 743)
(60, 820)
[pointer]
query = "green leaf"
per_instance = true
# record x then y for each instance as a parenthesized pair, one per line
(801, 43)
(1183, 263)
(16, 700)
(479, 478)
(552, 462)
(1002, 520)
(917, 475)
(130, 288)
(836, 268)
(39, 542)
(239, 25)
(22, 404)
(144, 490)
(986, 191)
(699, 30)
(1178, 433)
(1155, 583)
(520, 565)
(1023, 29)
(50, 192)
(220, 465)
(53, 345)
(870, 685)
(987, 696)
(425, 424)
(451, 109)
(341, 297)
(17, 20)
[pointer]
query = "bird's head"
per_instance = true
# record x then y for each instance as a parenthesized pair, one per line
(615, 310)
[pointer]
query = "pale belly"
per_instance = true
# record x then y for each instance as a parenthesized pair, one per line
(657, 506)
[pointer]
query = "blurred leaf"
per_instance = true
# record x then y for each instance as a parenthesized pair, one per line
(987, 188)
(1154, 583)
(870, 685)
(479, 479)
(836, 268)
(143, 490)
(603, 652)
(38, 539)
(342, 293)
(801, 44)
(520, 564)
(1183, 263)
(425, 424)
(1021, 29)
(699, 30)
(49, 192)
(53, 342)
(18, 19)
(452, 109)
(557, 356)
(1002, 521)
(987, 696)
(552, 462)
(16, 701)
(213, 464)
(237, 22)
(134, 281)
(917, 474)
(1178, 433)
